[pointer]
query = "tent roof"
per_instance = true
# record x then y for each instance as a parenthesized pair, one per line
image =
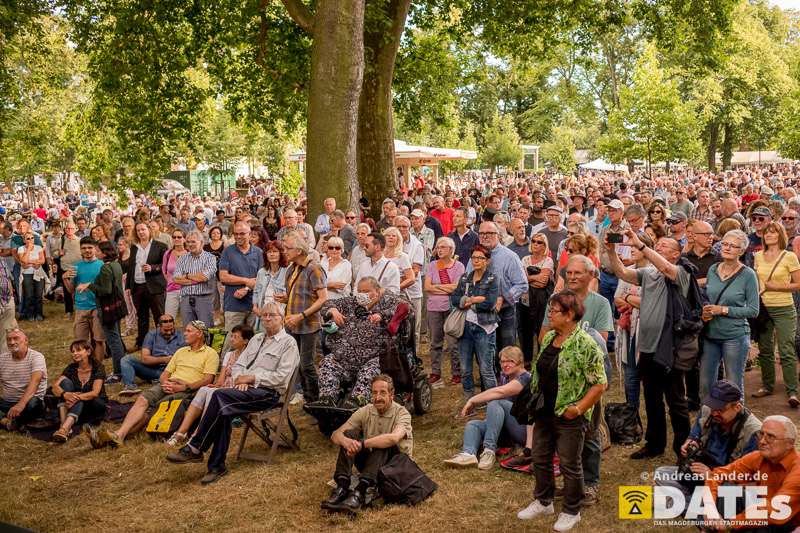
(600, 164)
(404, 153)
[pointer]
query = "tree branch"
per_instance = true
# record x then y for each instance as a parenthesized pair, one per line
(300, 14)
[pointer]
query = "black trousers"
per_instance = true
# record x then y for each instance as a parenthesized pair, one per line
(368, 462)
(146, 304)
(215, 427)
(660, 386)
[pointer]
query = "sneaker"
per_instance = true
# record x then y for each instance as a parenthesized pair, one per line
(462, 459)
(113, 379)
(297, 399)
(176, 440)
(535, 509)
(518, 461)
(130, 390)
(487, 459)
(435, 381)
(184, 455)
(590, 495)
(566, 521)
(212, 475)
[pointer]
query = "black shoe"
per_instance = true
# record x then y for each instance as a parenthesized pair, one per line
(334, 501)
(324, 401)
(185, 455)
(353, 502)
(645, 453)
(212, 475)
(350, 403)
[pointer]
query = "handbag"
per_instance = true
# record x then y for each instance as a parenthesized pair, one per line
(112, 306)
(401, 480)
(759, 324)
(454, 324)
(167, 417)
(527, 404)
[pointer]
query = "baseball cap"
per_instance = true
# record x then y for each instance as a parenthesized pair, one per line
(677, 216)
(767, 190)
(199, 216)
(762, 211)
(554, 207)
(616, 204)
(721, 394)
(417, 213)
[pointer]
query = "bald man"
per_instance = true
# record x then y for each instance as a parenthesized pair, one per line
(700, 254)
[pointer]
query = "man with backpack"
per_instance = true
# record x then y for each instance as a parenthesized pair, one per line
(667, 337)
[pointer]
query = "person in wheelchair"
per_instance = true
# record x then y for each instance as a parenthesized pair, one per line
(357, 330)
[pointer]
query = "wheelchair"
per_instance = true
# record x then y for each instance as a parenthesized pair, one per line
(400, 361)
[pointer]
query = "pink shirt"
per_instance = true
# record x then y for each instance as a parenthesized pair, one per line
(440, 302)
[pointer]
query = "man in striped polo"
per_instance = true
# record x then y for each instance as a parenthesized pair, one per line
(194, 272)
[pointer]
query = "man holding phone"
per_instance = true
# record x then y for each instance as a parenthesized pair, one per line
(613, 234)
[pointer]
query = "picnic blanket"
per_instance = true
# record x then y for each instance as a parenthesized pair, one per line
(43, 428)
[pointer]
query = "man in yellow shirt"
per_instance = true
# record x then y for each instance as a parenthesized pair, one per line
(191, 367)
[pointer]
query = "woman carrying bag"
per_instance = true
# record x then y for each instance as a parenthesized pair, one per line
(539, 271)
(778, 276)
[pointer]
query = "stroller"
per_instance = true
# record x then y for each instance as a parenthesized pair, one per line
(399, 360)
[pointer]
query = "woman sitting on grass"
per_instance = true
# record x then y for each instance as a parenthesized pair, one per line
(81, 387)
(240, 336)
(498, 417)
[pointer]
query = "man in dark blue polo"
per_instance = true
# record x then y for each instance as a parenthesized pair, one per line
(464, 238)
(158, 347)
(238, 267)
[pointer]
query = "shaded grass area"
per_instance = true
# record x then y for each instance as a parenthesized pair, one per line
(70, 487)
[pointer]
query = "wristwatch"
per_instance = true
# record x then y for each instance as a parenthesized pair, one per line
(642, 247)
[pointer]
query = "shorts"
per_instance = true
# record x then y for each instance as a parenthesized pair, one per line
(87, 326)
(155, 395)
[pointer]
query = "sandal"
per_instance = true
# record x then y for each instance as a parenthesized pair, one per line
(760, 393)
(61, 435)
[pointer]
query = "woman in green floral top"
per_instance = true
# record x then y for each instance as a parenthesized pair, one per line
(569, 374)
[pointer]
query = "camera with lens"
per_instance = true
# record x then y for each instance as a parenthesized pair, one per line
(694, 454)
(534, 270)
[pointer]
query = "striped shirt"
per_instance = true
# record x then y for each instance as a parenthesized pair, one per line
(16, 374)
(6, 285)
(204, 263)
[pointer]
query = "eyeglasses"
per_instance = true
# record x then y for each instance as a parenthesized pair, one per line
(788, 218)
(729, 245)
(759, 218)
(350, 217)
(478, 257)
(704, 233)
(657, 212)
(178, 237)
(535, 241)
(486, 233)
(334, 247)
(768, 437)
(554, 310)
(166, 321)
(241, 233)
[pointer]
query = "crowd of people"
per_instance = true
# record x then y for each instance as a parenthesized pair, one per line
(522, 285)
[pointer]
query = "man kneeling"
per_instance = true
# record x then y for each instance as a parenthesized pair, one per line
(260, 375)
(372, 436)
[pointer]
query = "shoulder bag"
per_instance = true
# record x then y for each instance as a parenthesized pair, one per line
(759, 324)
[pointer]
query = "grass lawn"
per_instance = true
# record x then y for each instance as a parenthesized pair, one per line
(70, 487)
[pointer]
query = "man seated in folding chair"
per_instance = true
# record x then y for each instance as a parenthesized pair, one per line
(260, 375)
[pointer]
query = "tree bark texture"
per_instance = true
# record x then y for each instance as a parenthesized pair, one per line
(337, 68)
(727, 147)
(385, 21)
(711, 152)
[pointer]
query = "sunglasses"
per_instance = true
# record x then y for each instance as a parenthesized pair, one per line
(334, 247)
(758, 218)
(788, 218)
(537, 242)
(350, 218)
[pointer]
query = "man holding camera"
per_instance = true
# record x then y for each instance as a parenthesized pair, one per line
(724, 431)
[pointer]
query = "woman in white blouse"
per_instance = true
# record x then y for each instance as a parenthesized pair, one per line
(394, 252)
(338, 270)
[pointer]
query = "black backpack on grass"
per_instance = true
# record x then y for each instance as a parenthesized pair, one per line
(402, 481)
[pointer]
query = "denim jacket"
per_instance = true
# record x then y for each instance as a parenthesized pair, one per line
(488, 286)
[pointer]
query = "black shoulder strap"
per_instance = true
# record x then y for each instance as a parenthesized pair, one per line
(727, 284)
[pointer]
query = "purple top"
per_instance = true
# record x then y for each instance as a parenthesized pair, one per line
(441, 302)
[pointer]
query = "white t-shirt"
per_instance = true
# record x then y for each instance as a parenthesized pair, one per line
(547, 262)
(384, 270)
(416, 255)
(403, 263)
(33, 254)
(342, 272)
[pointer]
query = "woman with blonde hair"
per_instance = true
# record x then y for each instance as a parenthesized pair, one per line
(530, 309)
(394, 252)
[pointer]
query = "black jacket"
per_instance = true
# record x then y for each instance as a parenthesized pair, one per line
(154, 280)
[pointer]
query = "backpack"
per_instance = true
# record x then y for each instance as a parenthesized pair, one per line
(402, 481)
(687, 312)
(624, 424)
(167, 418)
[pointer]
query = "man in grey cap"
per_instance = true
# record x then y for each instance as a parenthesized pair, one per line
(724, 431)
(677, 227)
(552, 228)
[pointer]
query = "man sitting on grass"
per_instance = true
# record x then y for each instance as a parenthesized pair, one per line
(191, 367)
(372, 436)
(23, 382)
(261, 376)
(158, 348)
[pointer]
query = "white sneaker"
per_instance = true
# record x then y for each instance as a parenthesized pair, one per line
(297, 399)
(486, 461)
(535, 509)
(462, 459)
(176, 440)
(566, 521)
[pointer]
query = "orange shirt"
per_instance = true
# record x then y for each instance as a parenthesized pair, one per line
(781, 478)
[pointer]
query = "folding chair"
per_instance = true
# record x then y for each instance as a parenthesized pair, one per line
(271, 432)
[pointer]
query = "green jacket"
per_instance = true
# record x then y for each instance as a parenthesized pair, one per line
(109, 273)
(580, 366)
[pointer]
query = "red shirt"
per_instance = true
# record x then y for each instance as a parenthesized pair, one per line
(445, 218)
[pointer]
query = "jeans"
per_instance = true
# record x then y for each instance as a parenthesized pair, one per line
(439, 340)
(32, 295)
(130, 367)
(92, 411)
(551, 435)
(487, 432)
(307, 344)
(783, 324)
(115, 345)
(632, 380)
(607, 288)
(733, 352)
(660, 385)
(475, 341)
(506, 333)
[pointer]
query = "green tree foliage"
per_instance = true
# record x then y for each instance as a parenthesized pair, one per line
(222, 146)
(560, 150)
(653, 123)
(500, 143)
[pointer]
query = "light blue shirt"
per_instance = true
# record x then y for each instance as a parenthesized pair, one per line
(507, 268)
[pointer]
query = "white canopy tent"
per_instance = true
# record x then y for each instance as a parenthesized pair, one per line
(602, 165)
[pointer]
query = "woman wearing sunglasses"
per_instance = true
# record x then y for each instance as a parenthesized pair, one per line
(338, 270)
(539, 271)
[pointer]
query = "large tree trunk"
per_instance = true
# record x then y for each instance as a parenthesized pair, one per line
(711, 152)
(337, 68)
(376, 168)
(727, 147)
